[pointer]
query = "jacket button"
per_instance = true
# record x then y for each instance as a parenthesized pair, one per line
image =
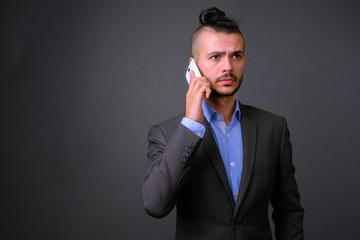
(236, 227)
(192, 145)
(185, 154)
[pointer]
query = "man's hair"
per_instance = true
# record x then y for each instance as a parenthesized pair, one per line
(215, 19)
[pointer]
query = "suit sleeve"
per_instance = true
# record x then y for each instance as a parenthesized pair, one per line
(169, 158)
(288, 213)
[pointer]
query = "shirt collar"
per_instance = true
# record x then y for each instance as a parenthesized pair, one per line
(210, 113)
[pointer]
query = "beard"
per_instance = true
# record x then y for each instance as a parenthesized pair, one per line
(221, 94)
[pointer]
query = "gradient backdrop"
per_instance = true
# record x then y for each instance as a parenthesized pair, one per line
(82, 82)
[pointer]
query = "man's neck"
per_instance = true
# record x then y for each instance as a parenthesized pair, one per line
(224, 106)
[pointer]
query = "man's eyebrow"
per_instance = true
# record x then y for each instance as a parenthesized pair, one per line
(215, 53)
(238, 52)
(223, 52)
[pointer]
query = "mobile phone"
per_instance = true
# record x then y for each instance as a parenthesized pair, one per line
(194, 67)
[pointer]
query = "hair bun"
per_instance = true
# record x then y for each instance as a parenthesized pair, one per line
(210, 16)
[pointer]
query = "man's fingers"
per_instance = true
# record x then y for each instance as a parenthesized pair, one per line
(201, 84)
(208, 93)
(192, 75)
(207, 89)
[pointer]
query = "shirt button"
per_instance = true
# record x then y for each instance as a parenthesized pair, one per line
(219, 118)
(232, 164)
(236, 194)
(228, 135)
(199, 134)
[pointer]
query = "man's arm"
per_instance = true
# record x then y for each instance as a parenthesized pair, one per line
(169, 158)
(170, 152)
(288, 213)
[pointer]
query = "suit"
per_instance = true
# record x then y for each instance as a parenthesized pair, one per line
(187, 171)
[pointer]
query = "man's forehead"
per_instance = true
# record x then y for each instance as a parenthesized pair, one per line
(207, 38)
(221, 41)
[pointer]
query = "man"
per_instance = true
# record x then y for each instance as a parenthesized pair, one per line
(222, 162)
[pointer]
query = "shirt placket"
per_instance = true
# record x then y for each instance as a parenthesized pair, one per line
(232, 162)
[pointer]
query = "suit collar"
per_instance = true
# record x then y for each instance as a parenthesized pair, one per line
(245, 111)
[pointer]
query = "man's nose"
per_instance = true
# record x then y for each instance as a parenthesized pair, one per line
(227, 65)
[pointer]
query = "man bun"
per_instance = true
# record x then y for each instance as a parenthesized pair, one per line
(217, 20)
(210, 16)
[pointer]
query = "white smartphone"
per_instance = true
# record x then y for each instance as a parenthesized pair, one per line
(194, 67)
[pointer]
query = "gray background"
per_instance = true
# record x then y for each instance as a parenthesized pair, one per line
(82, 82)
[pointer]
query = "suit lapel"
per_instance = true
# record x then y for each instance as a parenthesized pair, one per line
(248, 129)
(212, 149)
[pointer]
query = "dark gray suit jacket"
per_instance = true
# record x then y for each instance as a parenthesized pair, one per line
(187, 171)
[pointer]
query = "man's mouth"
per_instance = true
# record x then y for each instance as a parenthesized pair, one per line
(226, 79)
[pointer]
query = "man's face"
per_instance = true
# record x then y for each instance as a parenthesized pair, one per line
(220, 57)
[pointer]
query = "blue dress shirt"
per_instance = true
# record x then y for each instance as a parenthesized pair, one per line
(228, 139)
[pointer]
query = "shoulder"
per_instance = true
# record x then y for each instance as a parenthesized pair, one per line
(171, 122)
(258, 113)
(167, 127)
(262, 117)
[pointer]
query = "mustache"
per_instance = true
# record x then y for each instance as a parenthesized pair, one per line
(226, 75)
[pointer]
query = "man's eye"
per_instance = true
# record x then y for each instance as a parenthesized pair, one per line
(237, 56)
(215, 57)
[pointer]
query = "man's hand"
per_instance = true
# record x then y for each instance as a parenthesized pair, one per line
(198, 88)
